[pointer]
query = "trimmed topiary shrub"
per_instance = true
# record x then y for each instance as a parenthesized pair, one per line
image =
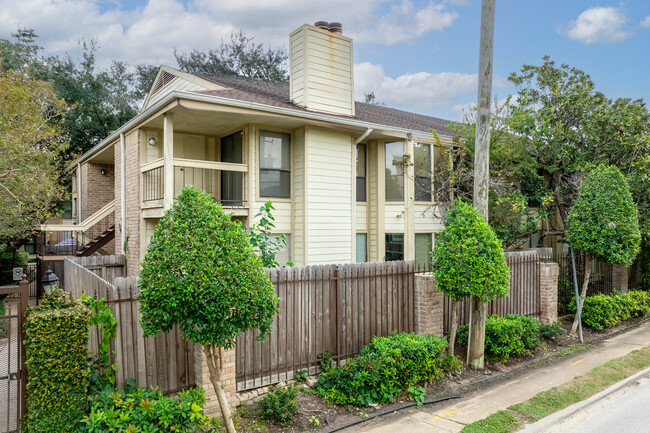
(280, 404)
(384, 369)
(510, 335)
(147, 410)
(57, 351)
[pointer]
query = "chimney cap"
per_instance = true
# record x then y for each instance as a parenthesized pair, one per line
(322, 25)
(335, 27)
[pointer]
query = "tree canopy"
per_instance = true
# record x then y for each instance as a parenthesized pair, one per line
(31, 149)
(468, 258)
(604, 220)
(201, 272)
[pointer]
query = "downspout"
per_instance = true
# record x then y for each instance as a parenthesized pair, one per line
(354, 193)
(79, 216)
(123, 185)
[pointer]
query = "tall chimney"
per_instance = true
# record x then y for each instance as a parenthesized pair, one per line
(321, 68)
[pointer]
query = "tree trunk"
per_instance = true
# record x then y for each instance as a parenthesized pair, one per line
(454, 326)
(214, 357)
(476, 338)
(583, 294)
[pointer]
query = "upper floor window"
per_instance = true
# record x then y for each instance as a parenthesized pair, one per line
(275, 164)
(395, 171)
(422, 171)
(361, 172)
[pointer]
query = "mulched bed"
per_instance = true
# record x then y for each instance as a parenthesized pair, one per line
(467, 381)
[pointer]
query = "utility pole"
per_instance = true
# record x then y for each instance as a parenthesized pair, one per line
(476, 344)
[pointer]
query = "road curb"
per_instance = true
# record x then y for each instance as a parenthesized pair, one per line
(551, 420)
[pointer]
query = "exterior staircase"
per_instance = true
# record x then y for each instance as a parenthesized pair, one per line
(94, 245)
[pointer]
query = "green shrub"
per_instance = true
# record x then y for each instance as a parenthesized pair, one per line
(4, 323)
(510, 335)
(451, 364)
(280, 404)
(57, 350)
(385, 368)
(146, 410)
(551, 331)
(604, 311)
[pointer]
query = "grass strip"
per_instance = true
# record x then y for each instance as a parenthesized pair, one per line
(558, 398)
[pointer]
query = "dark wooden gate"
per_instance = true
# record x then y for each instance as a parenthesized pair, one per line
(13, 374)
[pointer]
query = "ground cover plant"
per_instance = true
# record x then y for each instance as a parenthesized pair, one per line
(383, 370)
(280, 404)
(147, 410)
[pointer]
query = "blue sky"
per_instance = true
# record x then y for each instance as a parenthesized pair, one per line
(420, 56)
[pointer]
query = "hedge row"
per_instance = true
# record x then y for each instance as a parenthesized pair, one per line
(57, 350)
(604, 311)
(383, 370)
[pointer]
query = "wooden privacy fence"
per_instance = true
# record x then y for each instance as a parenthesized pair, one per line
(524, 296)
(326, 308)
(165, 361)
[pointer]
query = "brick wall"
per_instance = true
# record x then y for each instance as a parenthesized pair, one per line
(97, 189)
(132, 215)
(202, 377)
(548, 278)
(620, 278)
(429, 304)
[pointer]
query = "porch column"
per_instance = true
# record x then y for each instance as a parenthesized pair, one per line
(168, 160)
(620, 278)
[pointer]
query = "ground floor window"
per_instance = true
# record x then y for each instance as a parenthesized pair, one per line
(394, 247)
(423, 250)
(362, 248)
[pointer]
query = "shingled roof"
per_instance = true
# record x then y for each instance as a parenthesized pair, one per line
(277, 95)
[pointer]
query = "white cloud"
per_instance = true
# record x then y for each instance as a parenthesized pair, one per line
(646, 22)
(599, 25)
(422, 91)
(150, 33)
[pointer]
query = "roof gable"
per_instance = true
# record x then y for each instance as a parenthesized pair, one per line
(169, 79)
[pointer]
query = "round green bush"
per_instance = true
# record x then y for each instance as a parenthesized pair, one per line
(468, 258)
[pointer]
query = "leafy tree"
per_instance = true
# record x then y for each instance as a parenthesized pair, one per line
(468, 260)
(239, 57)
(21, 54)
(570, 128)
(31, 149)
(262, 238)
(603, 223)
(201, 273)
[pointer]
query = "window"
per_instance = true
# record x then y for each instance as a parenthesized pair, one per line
(362, 248)
(394, 247)
(423, 250)
(422, 169)
(361, 172)
(232, 182)
(394, 171)
(275, 164)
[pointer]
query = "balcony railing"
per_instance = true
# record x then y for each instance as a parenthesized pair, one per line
(154, 184)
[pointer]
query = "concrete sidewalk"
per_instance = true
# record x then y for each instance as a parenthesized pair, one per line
(453, 415)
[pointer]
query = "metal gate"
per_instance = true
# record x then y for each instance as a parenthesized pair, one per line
(13, 375)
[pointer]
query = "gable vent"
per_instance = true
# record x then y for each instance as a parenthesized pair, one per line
(165, 78)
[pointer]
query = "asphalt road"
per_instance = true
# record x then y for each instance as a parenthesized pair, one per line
(623, 410)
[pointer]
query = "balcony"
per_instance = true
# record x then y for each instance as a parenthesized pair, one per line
(225, 182)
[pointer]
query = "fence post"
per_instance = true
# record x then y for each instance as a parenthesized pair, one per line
(548, 279)
(228, 380)
(429, 302)
(619, 278)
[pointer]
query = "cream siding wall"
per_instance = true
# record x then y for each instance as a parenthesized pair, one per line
(329, 197)
(299, 198)
(425, 221)
(362, 218)
(394, 218)
(373, 203)
(321, 70)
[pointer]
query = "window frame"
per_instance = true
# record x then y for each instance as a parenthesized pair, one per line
(365, 173)
(261, 169)
(356, 249)
(386, 250)
(420, 194)
(395, 176)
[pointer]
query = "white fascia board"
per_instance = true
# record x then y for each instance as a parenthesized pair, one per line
(178, 95)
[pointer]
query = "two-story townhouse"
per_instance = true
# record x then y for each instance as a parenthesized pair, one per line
(331, 166)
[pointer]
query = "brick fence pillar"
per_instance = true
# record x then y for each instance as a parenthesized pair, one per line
(619, 278)
(202, 378)
(548, 291)
(428, 306)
